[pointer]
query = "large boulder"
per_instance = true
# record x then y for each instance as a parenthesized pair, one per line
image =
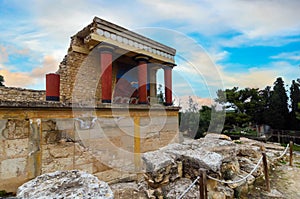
(65, 184)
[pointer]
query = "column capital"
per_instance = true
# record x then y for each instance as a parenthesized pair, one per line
(142, 58)
(168, 65)
(105, 47)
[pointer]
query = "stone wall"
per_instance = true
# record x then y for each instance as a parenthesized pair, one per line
(80, 73)
(21, 95)
(106, 146)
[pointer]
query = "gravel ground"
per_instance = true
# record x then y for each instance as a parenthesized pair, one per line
(285, 181)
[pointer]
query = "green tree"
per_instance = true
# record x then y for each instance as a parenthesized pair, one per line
(295, 100)
(242, 106)
(189, 119)
(160, 95)
(278, 113)
(204, 121)
(1, 80)
(298, 112)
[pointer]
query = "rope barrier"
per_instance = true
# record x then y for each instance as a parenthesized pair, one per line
(284, 152)
(240, 180)
(187, 190)
(296, 144)
(236, 181)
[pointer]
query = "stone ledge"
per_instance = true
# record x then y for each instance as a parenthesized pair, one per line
(52, 104)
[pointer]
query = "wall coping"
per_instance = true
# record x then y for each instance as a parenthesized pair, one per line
(51, 104)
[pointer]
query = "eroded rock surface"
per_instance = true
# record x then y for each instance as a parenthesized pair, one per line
(170, 169)
(65, 184)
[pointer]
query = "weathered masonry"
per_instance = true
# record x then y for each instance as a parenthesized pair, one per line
(98, 113)
(121, 66)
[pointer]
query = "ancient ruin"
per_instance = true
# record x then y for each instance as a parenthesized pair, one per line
(99, 111)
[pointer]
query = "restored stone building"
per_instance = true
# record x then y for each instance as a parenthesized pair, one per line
(98, 113)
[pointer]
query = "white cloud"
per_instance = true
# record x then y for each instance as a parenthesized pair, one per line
(49, 65)
(31, 79)
(295, 56)
(261, 77)
(48, 31)
(16, 79)
(252, 18)
(3, 54)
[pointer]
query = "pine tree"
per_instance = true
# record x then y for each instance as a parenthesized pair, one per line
(277, 114)
(295, 99)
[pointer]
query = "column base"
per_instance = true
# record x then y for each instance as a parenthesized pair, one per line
(52, 98)
(106, 101)
(143, 102)
(168, 104)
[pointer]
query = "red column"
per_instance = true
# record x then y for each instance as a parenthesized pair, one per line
(52, 87)
(168, 85)
(142, 79)
(106, 73)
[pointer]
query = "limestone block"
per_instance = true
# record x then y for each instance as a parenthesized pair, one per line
(68, 135)
(247, 166)
(16, 148)
(51, 137)
(65, 124)
(2, 153)
(112, 176)
(16, 129)
(199, 158)
(100, 144)
(48, 125)
(226, 148)
(171, 124)
(11, 168)
(229, 169)
(62, 151)
(126, 142)
(116, 131)
(107, 122)
(88, 168)
(98, 166)
(156, 160)
(217, 136)
(2, 127)
(95, 133)
(168, 137)
(124, 122)
(150, 144)
(58, 164)
(85, 158)
(46, 157)
(252, 152)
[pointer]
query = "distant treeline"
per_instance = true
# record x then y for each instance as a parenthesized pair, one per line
(276, 106)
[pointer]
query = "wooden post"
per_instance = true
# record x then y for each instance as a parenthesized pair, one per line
(291, 153)
(266, 172)
(137, 144)
(202, 184)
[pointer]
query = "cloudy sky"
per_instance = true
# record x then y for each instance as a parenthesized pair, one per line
(219, 44)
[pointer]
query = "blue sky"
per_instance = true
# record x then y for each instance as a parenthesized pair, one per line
(219, 44)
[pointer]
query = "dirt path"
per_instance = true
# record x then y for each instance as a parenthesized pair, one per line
(284, 179)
